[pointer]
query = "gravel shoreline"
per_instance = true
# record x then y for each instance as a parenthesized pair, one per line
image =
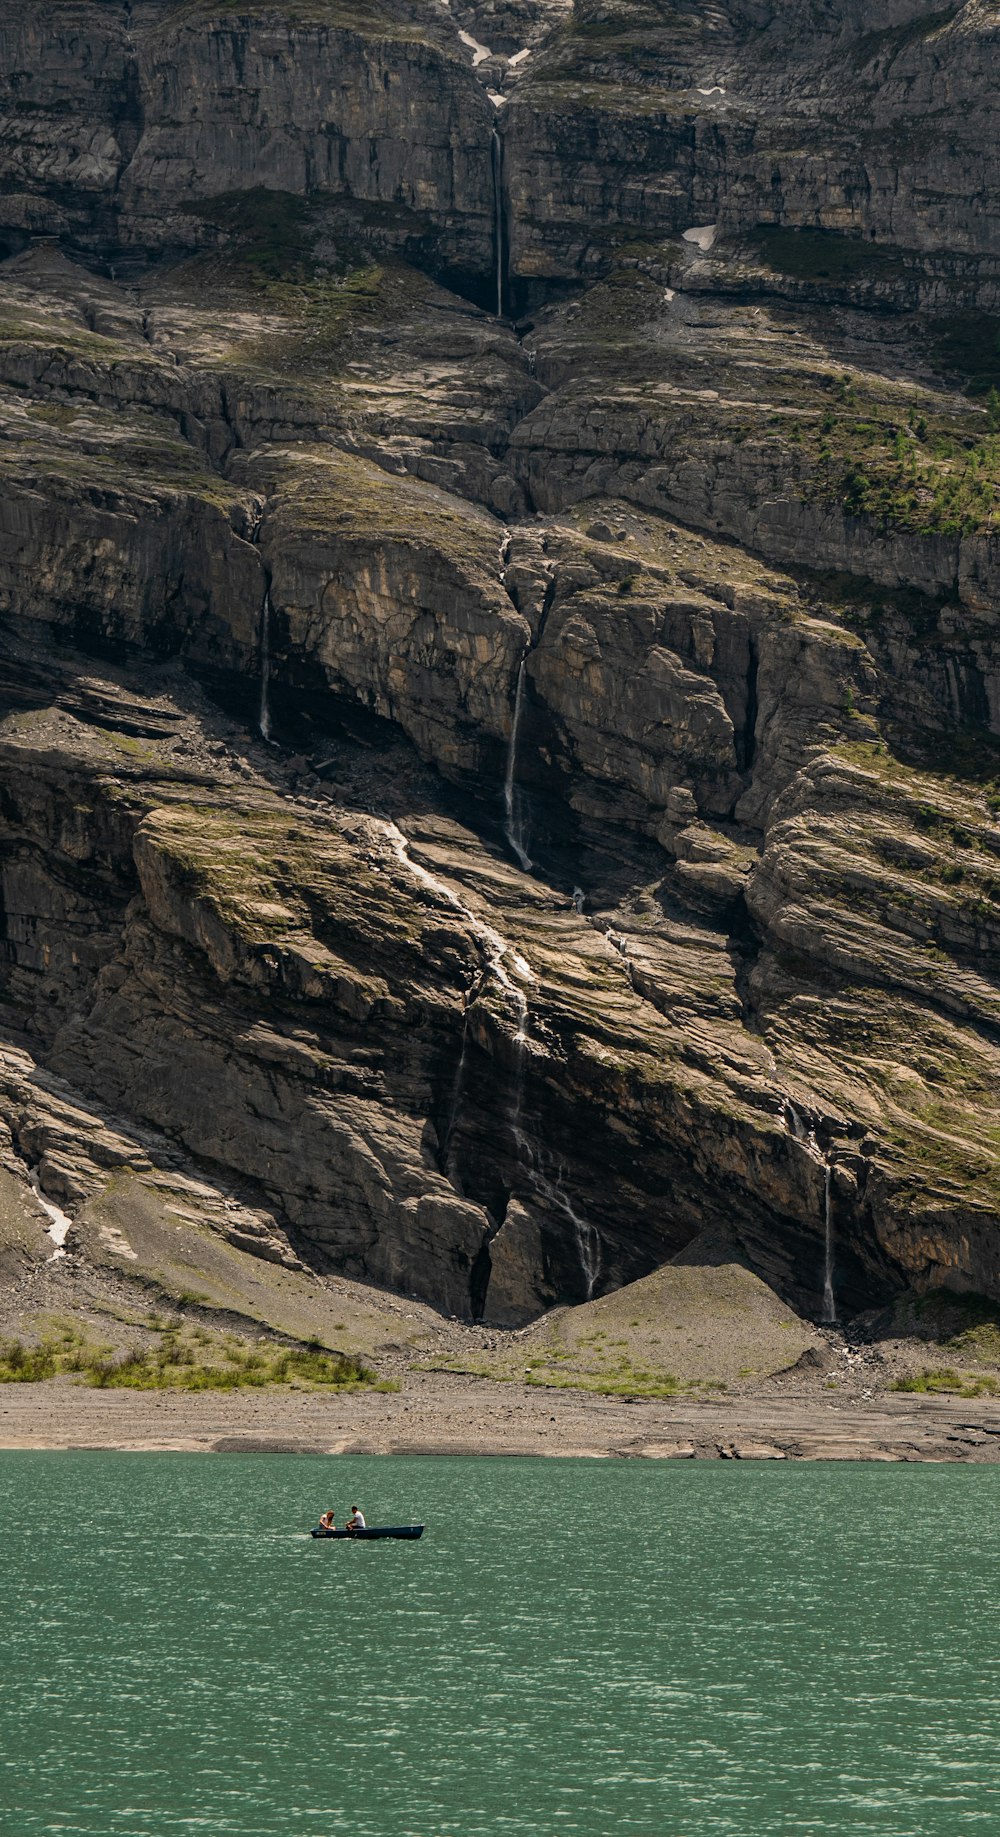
(440, 1413)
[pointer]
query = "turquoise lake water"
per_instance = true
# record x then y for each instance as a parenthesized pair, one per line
(574, 1647)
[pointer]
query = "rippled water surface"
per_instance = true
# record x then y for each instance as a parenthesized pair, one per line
(574, 1647)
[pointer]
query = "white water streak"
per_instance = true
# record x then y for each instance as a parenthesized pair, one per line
(457, 1093)
(807, 1138)
(264, 719)
(496, 160)
(546, 1176)
(514, 827)
(829, 1305)
(496, 950)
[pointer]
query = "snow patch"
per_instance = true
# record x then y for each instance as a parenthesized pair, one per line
(496, 98)
(703, 236)
(668, 294)
(716, 90)
(518, 58)
(479, 52)
(60, 1225)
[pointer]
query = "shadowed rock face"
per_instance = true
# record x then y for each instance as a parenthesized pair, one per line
(624, 856)
(871, 121)
(123, 124)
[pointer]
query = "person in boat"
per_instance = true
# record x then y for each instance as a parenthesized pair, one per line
(356, 1521)
(327, 1521)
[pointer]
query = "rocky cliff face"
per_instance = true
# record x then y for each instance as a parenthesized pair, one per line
(484, 800)
(875, 122)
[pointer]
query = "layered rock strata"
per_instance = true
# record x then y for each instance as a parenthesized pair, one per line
(623, 855)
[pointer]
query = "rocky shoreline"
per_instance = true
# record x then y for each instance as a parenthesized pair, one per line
(439, 1414)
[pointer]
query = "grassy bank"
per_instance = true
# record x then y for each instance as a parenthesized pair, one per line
(183, 1359)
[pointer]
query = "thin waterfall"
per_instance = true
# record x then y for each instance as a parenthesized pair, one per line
(794, 1122)
(264, 719)
(521, 1142)
(829, 1305)
(263, 637)
(620, 946)
(457, 1093)
(588, 1243)
(504, 964)
(545, 1174)
(496, 158)
(498, 955)
(515, 828)
(807, 1137)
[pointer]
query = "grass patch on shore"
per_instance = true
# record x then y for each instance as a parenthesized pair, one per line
(185, 1360)
(944, 1380)
(615, 1380)
(623, 1383)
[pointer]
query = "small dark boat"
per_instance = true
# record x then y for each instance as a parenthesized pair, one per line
(374, 1530)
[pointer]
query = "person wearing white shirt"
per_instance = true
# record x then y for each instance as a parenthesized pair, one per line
(356, 1521)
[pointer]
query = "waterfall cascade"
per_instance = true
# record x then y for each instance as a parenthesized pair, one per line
(620, 946)
(545, 1174)
(829, 1305)
(263, 640)
(457, 1093)
(496, 159)
(264, 716)
(496, 950)
(515, 826)
(801, 1133)
(588, 1243)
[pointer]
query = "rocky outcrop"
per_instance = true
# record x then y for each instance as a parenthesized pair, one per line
(124, 128)
(161, 126)
(874, 123)
(394, 592)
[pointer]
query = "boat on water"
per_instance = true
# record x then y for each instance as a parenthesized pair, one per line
(372, 1531)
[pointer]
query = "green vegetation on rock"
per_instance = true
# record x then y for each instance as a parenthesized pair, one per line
(905, 471)
(944, 1380)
